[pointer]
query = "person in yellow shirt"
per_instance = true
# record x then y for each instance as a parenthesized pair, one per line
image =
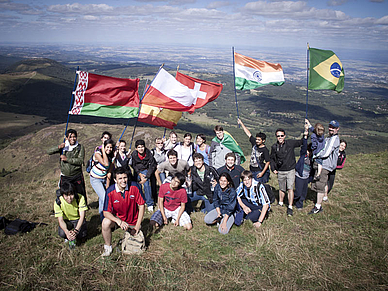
(70, 209)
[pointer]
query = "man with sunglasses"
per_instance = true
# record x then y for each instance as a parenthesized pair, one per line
(283, 164)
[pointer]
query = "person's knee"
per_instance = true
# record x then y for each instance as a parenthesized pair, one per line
(106, 224)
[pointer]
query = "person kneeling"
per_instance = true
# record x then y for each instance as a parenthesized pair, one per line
(123, 206)
(70, 209)
(225, 203)
(171, 203)
(253, 199)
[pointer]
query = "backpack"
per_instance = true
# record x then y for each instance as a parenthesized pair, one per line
(58, 200)
(206, 149)
(19, 225)
(90, 164)
(3, 222)
(270, 193)
(133, 244)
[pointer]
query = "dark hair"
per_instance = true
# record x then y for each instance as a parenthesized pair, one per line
(71, 131)
(198, 156)
(173, 132)
(203, 136)
(110, 141)
(228, 155)
(121, 140)
(262, 135)
(119, 171)
(187, 134)
(281, 130)
(343, 141)
(67, 188)
(108, 133)
(246, 174)
(218, 128)
(139, 142)
(227, 176)
(172, 153)
(180, 177)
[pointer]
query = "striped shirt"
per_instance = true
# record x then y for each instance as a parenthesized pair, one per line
(256, 194)
(98, 170)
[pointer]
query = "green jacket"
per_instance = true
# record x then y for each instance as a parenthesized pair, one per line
(75, 159)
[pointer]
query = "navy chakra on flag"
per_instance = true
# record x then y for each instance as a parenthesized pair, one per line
(335, 70)
(257, 75)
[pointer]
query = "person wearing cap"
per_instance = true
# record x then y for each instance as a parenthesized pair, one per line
(329, 158)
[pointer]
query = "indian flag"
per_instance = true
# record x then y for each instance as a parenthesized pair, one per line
(251, 73)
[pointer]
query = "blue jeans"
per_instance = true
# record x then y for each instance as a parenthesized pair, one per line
(147, 196)
(212, 215)
(99, 187)
(262, 179)
(300, 193)
(194, 197)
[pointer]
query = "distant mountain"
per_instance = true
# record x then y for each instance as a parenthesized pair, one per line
(6, 61)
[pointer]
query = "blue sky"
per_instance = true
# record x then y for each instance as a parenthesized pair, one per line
(327, 24)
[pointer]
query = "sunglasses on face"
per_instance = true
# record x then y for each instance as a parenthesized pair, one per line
(280, 135)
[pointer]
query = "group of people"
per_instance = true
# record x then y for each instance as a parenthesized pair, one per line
(126, 183)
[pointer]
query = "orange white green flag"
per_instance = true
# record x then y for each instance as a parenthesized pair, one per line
(250, 73)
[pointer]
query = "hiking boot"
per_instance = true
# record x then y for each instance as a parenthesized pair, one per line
(315, 210)
(290, 212)
(107, 251)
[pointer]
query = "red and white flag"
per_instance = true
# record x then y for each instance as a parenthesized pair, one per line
(166, 92)
(204, 91)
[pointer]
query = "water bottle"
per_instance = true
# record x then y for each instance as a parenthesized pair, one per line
(72, 244)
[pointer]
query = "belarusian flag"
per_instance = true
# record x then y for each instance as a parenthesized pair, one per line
(251, 73)
(159, 116)
(104, 96)
(326, 70)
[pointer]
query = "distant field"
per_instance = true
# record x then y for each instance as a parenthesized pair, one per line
(15, 125)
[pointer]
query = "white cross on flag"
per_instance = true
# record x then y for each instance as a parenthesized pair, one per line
(181, 94)
(204, 91)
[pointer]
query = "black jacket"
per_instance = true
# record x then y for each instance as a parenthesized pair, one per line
(283, 155)
(148, 163)
(204, 187)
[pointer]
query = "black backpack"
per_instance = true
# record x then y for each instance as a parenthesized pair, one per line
(270, 193)
(19, 225)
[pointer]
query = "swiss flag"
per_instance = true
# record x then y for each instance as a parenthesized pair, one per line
(204, 91)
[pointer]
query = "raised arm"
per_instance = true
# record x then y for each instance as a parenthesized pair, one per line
(246, 130)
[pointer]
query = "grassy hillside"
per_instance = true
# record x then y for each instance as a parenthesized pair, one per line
(343, 248)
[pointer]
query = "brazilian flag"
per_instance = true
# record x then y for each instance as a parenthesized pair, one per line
(326, 71)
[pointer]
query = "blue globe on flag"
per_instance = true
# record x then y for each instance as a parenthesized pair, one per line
(335, 70)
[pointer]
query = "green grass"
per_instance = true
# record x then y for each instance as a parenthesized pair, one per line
(343, 248)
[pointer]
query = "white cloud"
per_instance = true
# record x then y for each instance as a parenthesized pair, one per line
(336, 2)
(77, 8)
(382, 20)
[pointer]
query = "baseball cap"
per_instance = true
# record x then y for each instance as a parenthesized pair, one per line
(334, 123)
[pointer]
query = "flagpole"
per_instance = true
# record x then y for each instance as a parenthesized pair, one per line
(164, 133)
(234, 84)
(71, 102)
(307, 87)
(141, 99)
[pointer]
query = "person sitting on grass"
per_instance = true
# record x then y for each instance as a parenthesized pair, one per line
(204, 178)
(224, 201)
(144, 165)
(171, 202)
(70, 208)
(253, 199)
(232, 169)
(123, 206)
(172, 166)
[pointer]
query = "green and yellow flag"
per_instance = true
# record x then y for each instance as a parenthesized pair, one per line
(326, 71)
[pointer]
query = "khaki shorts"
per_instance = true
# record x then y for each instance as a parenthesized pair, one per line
(286, 180)
(319, 186)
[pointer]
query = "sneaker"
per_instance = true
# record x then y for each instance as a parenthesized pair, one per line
(290, 212)
(315, 210)
(150, 209)
(107, 251)
(325, 199)
(281, 205)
